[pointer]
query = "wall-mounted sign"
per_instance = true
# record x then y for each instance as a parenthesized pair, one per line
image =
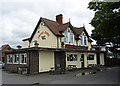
(46, 33)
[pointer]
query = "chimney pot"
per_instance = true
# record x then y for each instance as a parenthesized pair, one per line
(19, 47)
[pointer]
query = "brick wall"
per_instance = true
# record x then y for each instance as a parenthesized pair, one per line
(14, 67)
(34, 61)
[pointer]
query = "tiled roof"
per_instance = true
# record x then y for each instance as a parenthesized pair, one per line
(79, 30)
(52, 25)
(56, 28)
(3, 46)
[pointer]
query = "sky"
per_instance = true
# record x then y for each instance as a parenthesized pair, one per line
(19, 17)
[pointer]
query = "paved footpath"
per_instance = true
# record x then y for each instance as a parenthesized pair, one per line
(110, 76)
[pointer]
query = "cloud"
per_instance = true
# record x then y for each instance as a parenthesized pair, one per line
(19, 18)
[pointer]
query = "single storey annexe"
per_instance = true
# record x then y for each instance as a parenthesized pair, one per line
(57, 43)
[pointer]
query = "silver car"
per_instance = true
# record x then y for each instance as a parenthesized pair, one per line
(2, 65)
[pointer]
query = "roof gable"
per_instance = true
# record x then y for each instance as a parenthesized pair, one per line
(79, 30)
(57, 28)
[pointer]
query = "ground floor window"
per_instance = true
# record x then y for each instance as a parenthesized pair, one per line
(9, 59)
(15, 58)
(90, 57)
(23, 58)
(71, 57)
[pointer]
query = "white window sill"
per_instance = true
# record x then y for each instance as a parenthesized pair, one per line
(9, 63)
(23, 63)
(15, 63)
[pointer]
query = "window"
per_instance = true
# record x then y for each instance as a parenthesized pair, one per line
(85, 40)
(9, 59)
(71, 38)
(23, 58)
(71, 57)
(34, 42)
(81, 40)
(66, 37)
(15, 58)
(91, 57)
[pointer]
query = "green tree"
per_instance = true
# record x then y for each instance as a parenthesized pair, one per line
(106, 23)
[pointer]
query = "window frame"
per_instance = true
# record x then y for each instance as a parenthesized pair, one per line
(10, 61)
(25, 58)
(71, 41)
(81, 40)
(17, 59)
(66, 37)
(85, 41)
(74, 57)
(89, 57)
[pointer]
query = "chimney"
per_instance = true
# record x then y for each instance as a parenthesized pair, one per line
(59, 18)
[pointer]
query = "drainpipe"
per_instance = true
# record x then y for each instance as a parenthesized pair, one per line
(29, 44)
(57, 43)
(29, 63)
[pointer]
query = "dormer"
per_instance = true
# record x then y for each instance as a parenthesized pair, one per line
(69, 36)
(83, 39)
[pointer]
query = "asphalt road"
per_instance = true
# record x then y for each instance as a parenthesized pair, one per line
(110, 76)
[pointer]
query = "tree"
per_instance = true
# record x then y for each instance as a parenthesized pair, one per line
(106, 23)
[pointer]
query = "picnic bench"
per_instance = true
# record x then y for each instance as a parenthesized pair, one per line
(71, 67)
(22, 70)
(96, 67)
(58, 70)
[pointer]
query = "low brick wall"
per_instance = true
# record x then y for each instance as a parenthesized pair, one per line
(13, 67)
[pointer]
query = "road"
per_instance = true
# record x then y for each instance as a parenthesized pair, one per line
(110, 76)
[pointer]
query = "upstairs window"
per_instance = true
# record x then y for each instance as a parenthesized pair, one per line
(85, 40)
(68, 38)
(81, 40)
(71, 41)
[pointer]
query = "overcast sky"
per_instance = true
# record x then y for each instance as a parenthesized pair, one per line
(19, 17)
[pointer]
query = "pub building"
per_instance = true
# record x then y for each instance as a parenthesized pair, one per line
(54, 43)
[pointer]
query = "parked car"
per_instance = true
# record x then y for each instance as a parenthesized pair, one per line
(2, 65)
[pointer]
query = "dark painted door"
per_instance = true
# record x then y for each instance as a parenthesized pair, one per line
(60, 59)
(98, 58)
(82, 60)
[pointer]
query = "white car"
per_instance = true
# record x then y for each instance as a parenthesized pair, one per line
(2, 65)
